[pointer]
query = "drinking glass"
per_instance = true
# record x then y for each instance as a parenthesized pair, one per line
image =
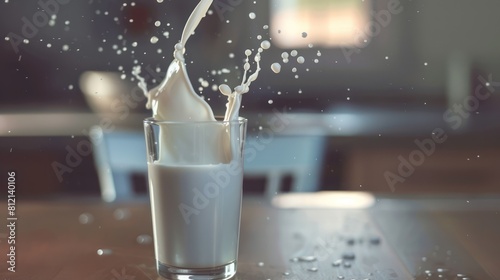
(195, 175)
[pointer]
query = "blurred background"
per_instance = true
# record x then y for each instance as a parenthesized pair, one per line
(402, 95)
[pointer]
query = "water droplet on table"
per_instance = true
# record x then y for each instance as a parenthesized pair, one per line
(307, 259)
(104, 252)
(86, 218)
(121, 214)
(144, 239)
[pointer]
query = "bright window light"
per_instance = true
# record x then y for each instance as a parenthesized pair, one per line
(324, 23)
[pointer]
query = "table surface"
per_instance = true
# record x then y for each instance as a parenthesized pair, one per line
(396, 238)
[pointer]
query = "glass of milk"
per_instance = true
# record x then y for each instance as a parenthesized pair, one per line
(195, 172)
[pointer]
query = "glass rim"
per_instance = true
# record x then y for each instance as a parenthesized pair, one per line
(218, 119)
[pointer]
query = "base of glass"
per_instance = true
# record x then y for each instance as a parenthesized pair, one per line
(213, 273)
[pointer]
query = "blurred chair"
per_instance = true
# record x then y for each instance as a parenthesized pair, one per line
(120, 154)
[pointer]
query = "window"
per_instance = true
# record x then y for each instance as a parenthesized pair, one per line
(323, 23)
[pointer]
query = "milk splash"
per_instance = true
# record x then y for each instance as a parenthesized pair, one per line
(175, 98)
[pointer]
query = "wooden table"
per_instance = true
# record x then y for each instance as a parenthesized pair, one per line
(396, 238)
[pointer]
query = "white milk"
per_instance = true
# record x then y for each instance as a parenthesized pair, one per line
(192, 229)
(175, 98)
(197, 211)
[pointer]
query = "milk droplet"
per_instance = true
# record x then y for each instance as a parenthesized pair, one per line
(252, 15)
(316, 60)
(318, 53)
(270, 101)
(337, 263)
(294, 53)
(265, 45)
(248, 52)
(307, 258)
(313, 269)
(154, 40)
(276, 67)
(49, 45)
(301, 60)
(157, 23)
(425, 63)
(225, 89)
(265, 27)
(261, 264)
(70, 87)
(65, 47)
(284, 55)
(294, 69)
